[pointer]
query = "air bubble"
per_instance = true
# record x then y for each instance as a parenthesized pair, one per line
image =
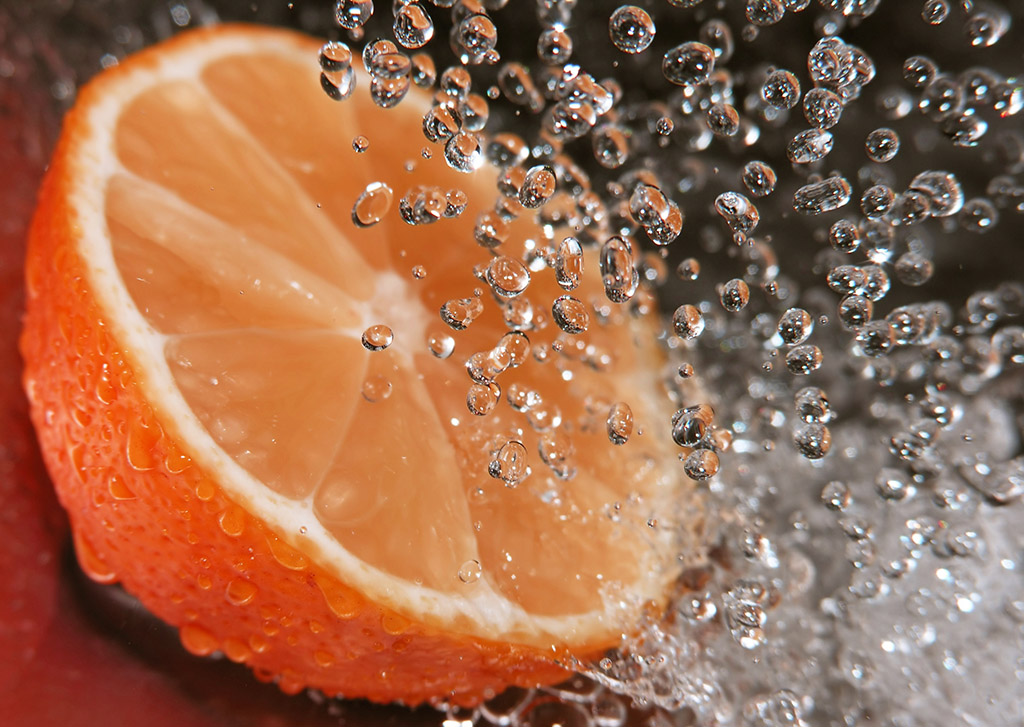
(459, 313)
(687, 322)
(570, 314)
(739, 212)
(809, 146)
(413, 27)
(824, 196)
(765, 12)
(620, 423)
(538, 186)
(374, 202)
(463, 152)
(631, 29)
(822, 108)
(759, 178)
(795, 326)
(723, 120)
(482, 398)
(812, 439)
(689, 64)
(701, 464)
(353, 14)
(781, 89)
(882, 145)
(804, 359)
(734, 295)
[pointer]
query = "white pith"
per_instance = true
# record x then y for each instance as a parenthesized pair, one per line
(478, 609)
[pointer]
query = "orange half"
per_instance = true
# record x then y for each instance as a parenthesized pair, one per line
(229, 450)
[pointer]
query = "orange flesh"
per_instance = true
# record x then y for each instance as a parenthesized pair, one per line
(268, 356)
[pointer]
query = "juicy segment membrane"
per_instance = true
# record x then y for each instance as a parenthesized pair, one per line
(249, 288)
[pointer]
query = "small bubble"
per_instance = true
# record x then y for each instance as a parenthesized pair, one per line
(463, 152)
(620, 423)
(631, 29)
(618, 270)
(360, 144)
(569, 263)
(882, 145)
(812, 439)
(734, 295)
(538, 186)
(822, 108)
(811, 404)
(765, 12)
(689, 64)
(377, 337)
(739, 212)
(935, 12)
(795, 326)
(688, 269)
(570, 314)
(441, 344)
(554, 46)
(687, 322)
(803, 359)
(374, 202)
(825, 196)
(781, 89)
(701, 464)
(723, 120)
(510, 463)
(507, 276)
(759, 178)
(482, 398)
(459, 313)
(413, 27)
(809, 146)
(835, 496)
(686, 371)
(353, 14)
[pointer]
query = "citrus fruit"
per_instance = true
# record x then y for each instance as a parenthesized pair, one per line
(248, 375)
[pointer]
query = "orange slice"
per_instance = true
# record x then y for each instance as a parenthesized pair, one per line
(229, 450)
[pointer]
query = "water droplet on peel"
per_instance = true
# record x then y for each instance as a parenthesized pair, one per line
(240, 592)
(90, 561)
(470, 571)
(376, 388)
(377, 337)
(197, 640)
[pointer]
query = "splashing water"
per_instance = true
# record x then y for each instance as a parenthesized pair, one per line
(838, 187)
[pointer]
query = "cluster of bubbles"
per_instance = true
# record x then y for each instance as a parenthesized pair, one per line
(863, 568)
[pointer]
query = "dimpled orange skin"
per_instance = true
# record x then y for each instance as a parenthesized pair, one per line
(194, 558)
